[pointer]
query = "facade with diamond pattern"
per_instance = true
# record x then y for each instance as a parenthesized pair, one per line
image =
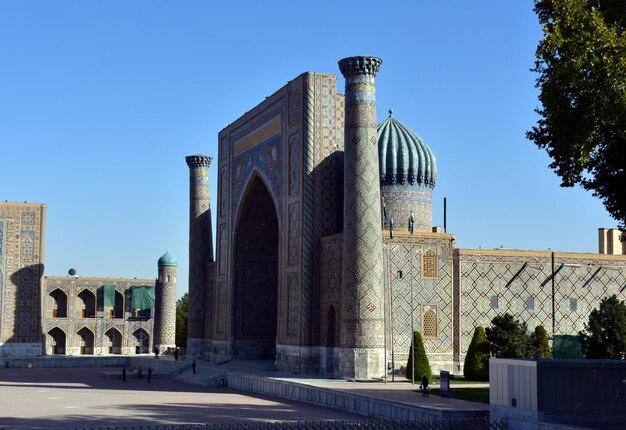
(307, 272)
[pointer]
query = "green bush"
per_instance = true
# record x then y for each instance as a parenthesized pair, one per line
(422, 366)
(477, 358)
(508, 338)
(541, 346)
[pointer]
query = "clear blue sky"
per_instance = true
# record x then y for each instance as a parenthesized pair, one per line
(101, 101)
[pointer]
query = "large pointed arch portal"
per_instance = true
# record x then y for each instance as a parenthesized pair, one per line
(256, 274)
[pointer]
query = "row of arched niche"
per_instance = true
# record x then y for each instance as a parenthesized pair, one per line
(56, 341)
(88, 305)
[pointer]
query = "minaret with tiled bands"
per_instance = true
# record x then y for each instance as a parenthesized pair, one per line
(362, 303)
(200, 249)
(165, 304)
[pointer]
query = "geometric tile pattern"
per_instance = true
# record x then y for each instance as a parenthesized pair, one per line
(165, 307)
(519, 278)
(321, 200)
(200, 241)
(99, 324)
(401, 203)
(263, 158)
(22, 235)
(411, 295)
(362, 309)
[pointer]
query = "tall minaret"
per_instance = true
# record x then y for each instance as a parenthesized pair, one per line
(200, 249)
(362, 305)
(165, 303)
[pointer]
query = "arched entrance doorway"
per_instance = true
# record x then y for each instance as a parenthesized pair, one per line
(56, 340)
(142, 341)
(114, 341)
(87, 304)
(59, 304)
(86, 340)
(256, 274)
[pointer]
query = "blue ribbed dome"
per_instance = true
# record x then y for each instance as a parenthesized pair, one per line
(405, 159)
(167, 259)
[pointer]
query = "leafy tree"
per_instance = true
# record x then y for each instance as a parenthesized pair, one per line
(541, 346)
(422, 365)
(581, 63)
(508, 338)
(605, 334)
(476, 365)
(182, 314)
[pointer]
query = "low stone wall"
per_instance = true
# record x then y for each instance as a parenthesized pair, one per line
(350, 402)
(111, 361)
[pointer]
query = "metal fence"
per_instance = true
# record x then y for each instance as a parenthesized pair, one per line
(482, 423)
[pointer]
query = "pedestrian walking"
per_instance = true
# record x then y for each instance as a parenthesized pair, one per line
(149, 373)
(124, 374)
(176, 354)
(193, 366)
(140, 373)
(425, 386)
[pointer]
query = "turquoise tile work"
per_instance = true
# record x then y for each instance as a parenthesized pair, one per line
(408, 295)
(520, 282)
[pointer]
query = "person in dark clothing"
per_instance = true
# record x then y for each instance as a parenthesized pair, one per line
(176, 354)
(124, 374)
(140, 373)
(156, 352)
(193, 366)
(149, 373)
(425, 386)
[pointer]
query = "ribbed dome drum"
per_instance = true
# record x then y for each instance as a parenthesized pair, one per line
(408, 172)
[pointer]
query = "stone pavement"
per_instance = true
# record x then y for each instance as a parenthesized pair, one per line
(79, 397)
(64, 397)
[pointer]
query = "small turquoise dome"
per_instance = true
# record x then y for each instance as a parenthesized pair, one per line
(167, 259)
(405, 159)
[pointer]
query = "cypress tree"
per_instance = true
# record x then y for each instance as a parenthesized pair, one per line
(477, 358)
(541, 345)
(422, 366)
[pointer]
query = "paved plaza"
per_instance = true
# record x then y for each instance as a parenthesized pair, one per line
(80, 397)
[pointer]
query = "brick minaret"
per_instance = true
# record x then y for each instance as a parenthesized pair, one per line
(200, 249)
(362, 305)
(165, 304)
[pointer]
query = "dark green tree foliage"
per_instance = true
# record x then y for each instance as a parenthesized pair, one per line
(541, 346)
(182, 314)
(508, 338)
(476, 365)
(422, 365)
(605, 334)
(581, 62)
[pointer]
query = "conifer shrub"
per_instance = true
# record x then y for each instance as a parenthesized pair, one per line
(541, 346)
(422, 366)
(477, 358)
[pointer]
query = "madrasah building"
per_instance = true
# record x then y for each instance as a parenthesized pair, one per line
(71, 315)
(307, 272)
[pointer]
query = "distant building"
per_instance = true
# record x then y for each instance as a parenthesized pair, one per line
(307, 271)
(95, 316)
(70, 315)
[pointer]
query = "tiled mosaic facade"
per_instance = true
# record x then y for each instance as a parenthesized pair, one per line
(165, 308)
(76, 320)
(200, 248)
(289, 143)
(282, 165)
(362, 309)
(520, 283)
(22, 237)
